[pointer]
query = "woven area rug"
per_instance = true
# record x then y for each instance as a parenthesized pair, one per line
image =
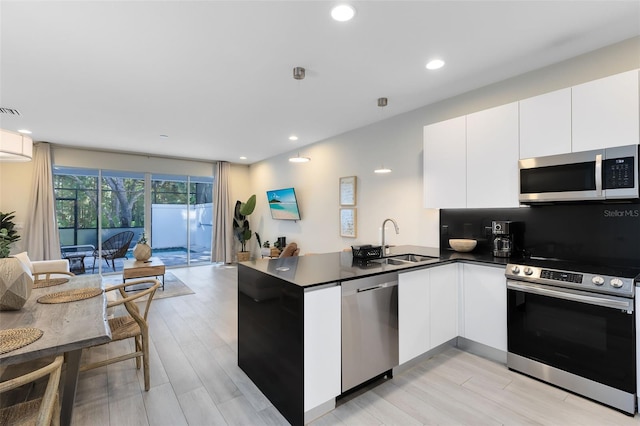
(173, 286)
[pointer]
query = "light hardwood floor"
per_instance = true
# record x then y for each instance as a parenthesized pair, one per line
(195, 379)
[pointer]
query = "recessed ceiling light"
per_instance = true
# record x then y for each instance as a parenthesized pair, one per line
(243, 158)
(435, 64)
(293, 138)
(343, 12)
(24, 131)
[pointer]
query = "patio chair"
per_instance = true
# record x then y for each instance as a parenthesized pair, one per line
(132, 326)
(114, 247)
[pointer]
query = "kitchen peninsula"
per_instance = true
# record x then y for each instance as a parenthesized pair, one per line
(289, 321)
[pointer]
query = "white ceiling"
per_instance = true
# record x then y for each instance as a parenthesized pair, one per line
(216, 76)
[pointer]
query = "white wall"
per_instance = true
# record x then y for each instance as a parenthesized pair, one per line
(397, 142)
(15, 189)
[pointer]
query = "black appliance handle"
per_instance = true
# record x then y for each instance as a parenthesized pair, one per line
(574, 296)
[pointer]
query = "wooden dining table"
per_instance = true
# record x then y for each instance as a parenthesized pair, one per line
(67, 329)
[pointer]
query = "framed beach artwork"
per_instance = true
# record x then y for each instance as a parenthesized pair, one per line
(348, 222)
(348, 191)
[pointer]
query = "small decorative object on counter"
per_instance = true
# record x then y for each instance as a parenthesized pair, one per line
(366, 251)
(142, 250)
(462, 245)
(274, 252)
(16, 281)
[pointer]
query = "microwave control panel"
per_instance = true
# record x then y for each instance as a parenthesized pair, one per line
(619, 173)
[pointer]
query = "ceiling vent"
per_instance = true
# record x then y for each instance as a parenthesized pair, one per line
(9, 111)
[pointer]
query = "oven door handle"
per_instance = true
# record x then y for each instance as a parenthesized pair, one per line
(604, 302)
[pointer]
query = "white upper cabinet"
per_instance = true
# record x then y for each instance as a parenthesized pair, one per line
(545, 124)
(606, 112)
(492, 157)
(445, 168)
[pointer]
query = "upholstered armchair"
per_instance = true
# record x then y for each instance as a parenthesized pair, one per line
(44, 272)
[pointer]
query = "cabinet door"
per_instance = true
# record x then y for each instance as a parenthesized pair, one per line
(322, 346)
(492, 157)
(413, 314)
(485, 305)
(545, 124)
(606, 112)
(445, 168)
(443, 304)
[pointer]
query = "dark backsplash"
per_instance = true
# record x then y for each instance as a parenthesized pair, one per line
(599, 233)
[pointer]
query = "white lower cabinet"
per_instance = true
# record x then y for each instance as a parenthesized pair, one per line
(427, 309)
(484, 305)
(322, 345)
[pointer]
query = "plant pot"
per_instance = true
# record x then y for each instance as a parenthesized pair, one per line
(142, 252)
(16, 283)
(243, 256)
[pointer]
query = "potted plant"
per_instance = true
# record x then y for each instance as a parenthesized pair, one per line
(142, 250)
(241, 225)
(16, 281)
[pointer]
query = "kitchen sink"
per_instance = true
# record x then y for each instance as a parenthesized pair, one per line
(412, 257)
(403, 259)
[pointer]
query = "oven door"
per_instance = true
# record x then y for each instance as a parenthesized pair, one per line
(586, 334)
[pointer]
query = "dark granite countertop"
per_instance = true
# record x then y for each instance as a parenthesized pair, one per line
(317, 269)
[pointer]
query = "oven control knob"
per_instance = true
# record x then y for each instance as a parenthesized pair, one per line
(597, 280)
(528, 271)
(616, 282)
(515, 270)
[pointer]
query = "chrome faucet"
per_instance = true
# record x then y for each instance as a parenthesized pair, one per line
(384, 246)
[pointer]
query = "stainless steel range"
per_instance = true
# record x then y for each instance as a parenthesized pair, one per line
(573, 325)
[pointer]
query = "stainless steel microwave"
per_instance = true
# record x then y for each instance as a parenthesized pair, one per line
(599, 175)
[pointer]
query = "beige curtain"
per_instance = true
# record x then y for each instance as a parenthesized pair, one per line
(43, 240)
(222, 221)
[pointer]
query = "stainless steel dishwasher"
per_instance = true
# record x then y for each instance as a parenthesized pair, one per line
(369, 328)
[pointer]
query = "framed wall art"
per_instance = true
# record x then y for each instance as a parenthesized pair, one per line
(348, 222)
(348, 191)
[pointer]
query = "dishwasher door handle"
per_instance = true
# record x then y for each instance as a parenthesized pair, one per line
(375, 287)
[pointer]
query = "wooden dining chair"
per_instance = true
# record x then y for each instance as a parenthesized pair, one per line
(42, 411)
(132, 326)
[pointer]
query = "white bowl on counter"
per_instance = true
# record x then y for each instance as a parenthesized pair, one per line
(462, 245)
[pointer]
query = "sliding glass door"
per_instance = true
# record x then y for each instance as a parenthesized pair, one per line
(181, 218)
(122, 216)
(200, 219)
(113, 208)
